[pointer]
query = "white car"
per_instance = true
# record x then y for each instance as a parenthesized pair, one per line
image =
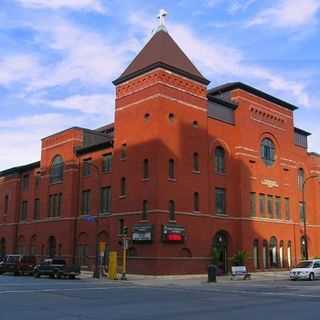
(307, 270)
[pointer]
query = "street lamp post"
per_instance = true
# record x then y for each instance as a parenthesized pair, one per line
(89, 218)
(305, 235)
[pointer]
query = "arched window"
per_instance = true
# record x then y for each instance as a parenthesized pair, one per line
(220, 160)
(52, 247)
(145, 210)
(300, 179)
(268, 151)
(303, 248)
(196, 202)
(56, 171)
(281, 254)
(171, 169)
(123, 186)
(273, 252)
(196, 164)
(145, 169)
(256, 254)
(265, 254)
(172, 210)
(289, 255)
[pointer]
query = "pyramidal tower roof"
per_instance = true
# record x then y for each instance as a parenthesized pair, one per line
(161, 52)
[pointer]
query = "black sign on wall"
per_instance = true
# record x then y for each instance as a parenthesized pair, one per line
(173, 233)
(142, 233)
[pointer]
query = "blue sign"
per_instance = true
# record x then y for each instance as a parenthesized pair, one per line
(88, 218)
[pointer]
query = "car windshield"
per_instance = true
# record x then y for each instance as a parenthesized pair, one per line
(304, 264)
(12, 259)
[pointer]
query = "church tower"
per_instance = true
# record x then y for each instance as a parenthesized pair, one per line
(160, 161)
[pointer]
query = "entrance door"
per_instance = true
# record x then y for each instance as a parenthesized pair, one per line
(2, 247)
(52, 247)
(220, 251)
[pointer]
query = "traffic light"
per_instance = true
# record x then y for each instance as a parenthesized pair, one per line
(125, 231)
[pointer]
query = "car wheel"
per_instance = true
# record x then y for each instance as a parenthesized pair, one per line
(36, 274)
(311, 276)
(72, 277)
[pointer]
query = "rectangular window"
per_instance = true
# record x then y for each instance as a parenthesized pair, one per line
(6, 204)
(105, 200)
(145, 169)
(301, 211)
(87, 167)
(196, 162)
(36, 209)
(37, 179)
(59, 205)
(121, 226)
(278, 207)
(270, 207)
(50, 206)
(196, 202)
(86, 195)
(123, 153)
(253, 204)
(145, 210)
(55, 205)
(171, 172)
(25, 182)
(262, 205)
(107, 163)
(287, 208)
(24, 211)
(220, 201)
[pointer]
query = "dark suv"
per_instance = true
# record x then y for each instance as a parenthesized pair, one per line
(18, 264)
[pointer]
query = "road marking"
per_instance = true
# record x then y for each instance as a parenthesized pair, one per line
(66, 289)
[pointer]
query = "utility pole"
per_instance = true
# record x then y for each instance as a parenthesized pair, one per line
(305, 235)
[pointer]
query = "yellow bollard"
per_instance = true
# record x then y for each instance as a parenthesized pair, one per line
(113, 267)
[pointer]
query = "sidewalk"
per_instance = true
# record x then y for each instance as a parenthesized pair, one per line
(255, 276)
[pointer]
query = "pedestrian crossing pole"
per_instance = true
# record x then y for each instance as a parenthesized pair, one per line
(124, 257)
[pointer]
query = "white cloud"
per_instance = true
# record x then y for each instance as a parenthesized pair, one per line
(288, 13)
(90, 5)
(100, 104)
(86, 56)
(218, 60)
(18, 68)
(22, 135)
(240, 6)
(228, 62)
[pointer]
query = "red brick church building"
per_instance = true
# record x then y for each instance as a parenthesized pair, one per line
(186, 168)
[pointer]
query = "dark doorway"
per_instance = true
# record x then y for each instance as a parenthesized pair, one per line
(220, 251)
(52, 247)
(2, 247)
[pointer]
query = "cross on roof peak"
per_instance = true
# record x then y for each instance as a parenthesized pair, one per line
(161, 16)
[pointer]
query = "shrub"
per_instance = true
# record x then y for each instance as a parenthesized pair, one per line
(239, 258)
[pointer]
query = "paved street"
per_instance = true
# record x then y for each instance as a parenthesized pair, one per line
(157, 299)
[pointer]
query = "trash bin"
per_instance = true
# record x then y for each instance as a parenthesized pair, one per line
(212, 273)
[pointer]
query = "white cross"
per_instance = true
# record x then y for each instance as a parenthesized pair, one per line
(162, 14)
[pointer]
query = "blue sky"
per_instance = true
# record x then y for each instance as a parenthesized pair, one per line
(59, 57)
